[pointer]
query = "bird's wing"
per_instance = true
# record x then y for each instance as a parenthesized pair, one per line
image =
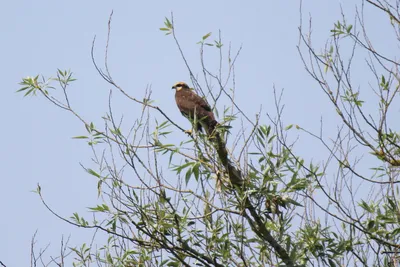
(199, 101)
(190, 104)
(188, 101)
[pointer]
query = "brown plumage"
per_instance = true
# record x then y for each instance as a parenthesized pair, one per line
(193, 106)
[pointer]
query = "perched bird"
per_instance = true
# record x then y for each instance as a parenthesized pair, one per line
(195, 108)
(199, 112)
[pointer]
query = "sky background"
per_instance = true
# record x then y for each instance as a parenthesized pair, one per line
(37, 37)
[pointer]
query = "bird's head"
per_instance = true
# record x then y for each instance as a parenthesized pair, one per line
(179, 86)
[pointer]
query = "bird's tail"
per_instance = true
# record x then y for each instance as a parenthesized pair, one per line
(211, 129)
(235, 175)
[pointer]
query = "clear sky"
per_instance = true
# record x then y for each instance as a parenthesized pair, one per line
(37, 37)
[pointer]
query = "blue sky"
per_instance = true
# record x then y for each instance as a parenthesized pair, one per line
(37, 37)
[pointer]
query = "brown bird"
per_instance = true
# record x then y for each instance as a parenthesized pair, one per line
(195, 108)
(198, 111)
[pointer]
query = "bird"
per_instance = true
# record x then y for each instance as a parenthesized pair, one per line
(198, 112)
(195, 108)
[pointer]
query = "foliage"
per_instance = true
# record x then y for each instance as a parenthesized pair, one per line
(258, 203)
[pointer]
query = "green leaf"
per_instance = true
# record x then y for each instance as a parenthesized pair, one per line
(218, 44)
(370, 225)
(366, 207)
(92, 172)
(291, 201)
(196, 171)
(38, 189)
(206, 36)
(100, 208)
(187, 176)
(289, 127)
(396, 232)
(349, 28)
(163, 125)
(116, 131)
(23, 89)
(168, 23)
(80, 137)
(265, 129)
(109, 258)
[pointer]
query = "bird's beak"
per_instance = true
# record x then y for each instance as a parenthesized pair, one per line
(173, 87)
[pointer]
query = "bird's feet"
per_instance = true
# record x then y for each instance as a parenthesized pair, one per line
(189, 132)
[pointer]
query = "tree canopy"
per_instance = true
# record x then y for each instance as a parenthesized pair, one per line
(249, 198)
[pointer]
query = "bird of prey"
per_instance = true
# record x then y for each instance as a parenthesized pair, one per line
(199, 112)
(195, 108)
